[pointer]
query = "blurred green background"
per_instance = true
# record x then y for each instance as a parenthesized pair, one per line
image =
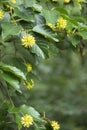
(61, 90)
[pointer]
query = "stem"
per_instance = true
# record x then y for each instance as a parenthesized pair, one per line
(14, 21)
(10, 98)
(5, 92)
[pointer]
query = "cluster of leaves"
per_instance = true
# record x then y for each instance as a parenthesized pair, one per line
(30, 17)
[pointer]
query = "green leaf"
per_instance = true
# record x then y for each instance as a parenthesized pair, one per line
(9, 29)
(61, 10)
(29, 3)
(31, 111)
(19, 2)
(37, 7)
(39, 19)
(24, 14)
(25, 110)
(44, 47)
(83, 34)
(17, 72)
(36, 127)
(17, 120)
(15, 111)
(70, 20)
(74, 40)
(51, 16)
(7, 17)
(10, 79)
(45, 31)
(37, 50)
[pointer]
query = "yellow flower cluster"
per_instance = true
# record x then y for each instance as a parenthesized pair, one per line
(55, 125)
(67, 1)
(51, 25)
(1, 14)
(29, 67)
(28, 41)
(29, 84)
(26, 120)
(61, 23)
(13, 1)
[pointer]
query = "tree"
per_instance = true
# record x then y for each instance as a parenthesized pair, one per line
(28, 31)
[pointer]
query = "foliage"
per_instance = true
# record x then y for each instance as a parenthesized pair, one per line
(29, 30)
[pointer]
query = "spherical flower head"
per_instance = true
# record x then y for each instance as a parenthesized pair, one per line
(26, 120)
(55, 125)
(67, 1)
(28, 41)
(29, 67)
(29, 84)
(61, 23)
(1, 14)
(13, 1)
